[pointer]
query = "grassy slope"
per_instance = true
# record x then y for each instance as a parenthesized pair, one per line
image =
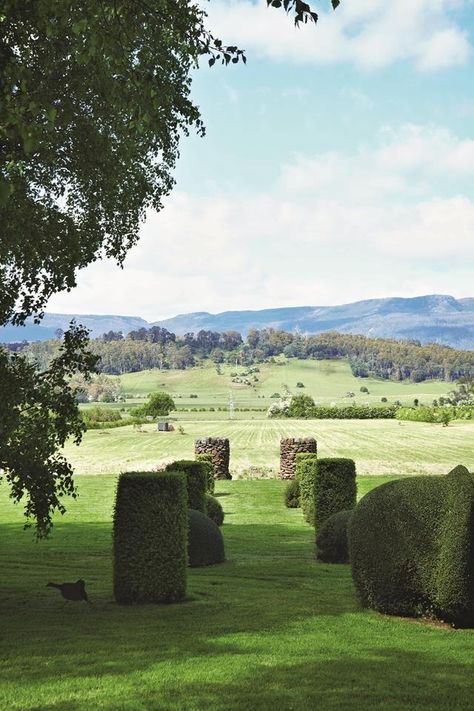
(378, 446)
(326, 381)
(269, 629)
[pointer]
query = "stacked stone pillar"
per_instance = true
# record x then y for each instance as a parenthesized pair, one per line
(289, 448)
(219, 449)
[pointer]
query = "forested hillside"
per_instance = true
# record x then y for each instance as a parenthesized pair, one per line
(159, 348)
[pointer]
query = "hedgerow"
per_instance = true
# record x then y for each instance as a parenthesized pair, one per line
(207, 460)
(343, 412)
(196, 481)
(305, 475)
(335, 488)
(411, 547)
(292, 495)
(150, 537)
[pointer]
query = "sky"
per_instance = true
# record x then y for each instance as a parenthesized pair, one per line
(338, 165)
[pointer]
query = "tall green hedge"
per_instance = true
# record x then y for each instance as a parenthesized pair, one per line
(196, 481)
(411, 547)
(205, 540)
(305, 475)
(207, 460)
(335, 488)
(150, 537)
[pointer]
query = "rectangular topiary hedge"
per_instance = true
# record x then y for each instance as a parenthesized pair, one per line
(207, 460)
(306, 469)
(196, 481)
(335, 488)
(150, 537)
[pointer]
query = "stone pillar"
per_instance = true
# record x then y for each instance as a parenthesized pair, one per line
(289, 448)
(219, 449)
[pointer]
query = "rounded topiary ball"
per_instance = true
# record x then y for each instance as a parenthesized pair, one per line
(214, 510)
(292, 494)
(331, 539)
(205, 540)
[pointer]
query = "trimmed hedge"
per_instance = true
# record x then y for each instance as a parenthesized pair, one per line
(342, 412)
(207, 460)
(411, 547)
(305, 474)
(205, 540)
(331, 540)
(292, 495)
(149, 537)
(335, 488)
(196, 481)
(214, 510)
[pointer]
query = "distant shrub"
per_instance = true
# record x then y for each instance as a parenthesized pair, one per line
(206, 459)
(205, 541)
(332, 543)
(196, 481)
(214, 510)
(193, 395)
(364, 389)
(275, 395)
(383, 399)
(335, 488)
(149, 537)
(300, 385)
(411, 546)
(305, 474)
(292, 494)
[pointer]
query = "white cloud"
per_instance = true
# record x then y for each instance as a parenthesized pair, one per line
(369, 33)
(386, 220)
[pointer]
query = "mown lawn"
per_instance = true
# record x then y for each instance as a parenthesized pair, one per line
(269, 629)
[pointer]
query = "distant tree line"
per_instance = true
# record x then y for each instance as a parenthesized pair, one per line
(157, 347)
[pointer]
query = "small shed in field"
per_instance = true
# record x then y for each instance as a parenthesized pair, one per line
(163, 427)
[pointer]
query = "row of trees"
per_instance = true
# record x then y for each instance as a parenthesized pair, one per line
(159, 348)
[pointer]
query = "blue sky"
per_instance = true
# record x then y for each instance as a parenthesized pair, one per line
(338, 165)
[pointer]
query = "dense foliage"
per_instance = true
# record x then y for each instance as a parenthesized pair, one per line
(206, 459)
(335, 488)
(196, 481)
(149, 537)
(332, 545)
(159, 404)
(205, 540)
(214, 510)
(38, 413)
(302, 406)
(376, 357)
(411, 547)
(305, 474)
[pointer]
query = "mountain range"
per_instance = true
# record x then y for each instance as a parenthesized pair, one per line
(434, 318)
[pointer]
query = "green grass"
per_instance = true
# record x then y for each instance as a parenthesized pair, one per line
(269, 629)
(326, 380)
(378, 446)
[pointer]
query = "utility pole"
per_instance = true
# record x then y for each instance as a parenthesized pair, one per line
(231, 406)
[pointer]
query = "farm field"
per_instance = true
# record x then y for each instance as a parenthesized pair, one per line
(269, 629)
(384, 447)
(325, 380)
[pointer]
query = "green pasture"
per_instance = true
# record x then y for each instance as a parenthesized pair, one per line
(269, 629)
(325, 380)
(379, 447)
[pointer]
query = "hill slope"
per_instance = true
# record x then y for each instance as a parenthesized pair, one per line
(434, 318)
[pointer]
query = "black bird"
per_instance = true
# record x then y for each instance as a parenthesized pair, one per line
(71, 591)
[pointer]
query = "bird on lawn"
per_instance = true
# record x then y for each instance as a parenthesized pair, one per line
(71, 591)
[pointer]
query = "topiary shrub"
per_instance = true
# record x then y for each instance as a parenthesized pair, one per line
(196, 481)
(214, 510)
(149, 537)
(335, 488)
(331, 540)
(292, 494)
(411, 547)
(207, 460)
(305, 474)
(205, 540)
